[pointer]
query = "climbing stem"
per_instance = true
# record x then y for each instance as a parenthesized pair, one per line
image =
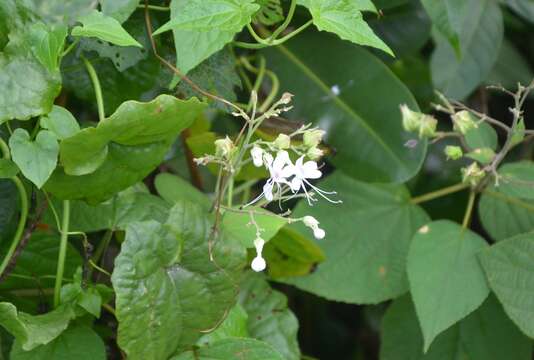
(98, 89)
(439, 193)
(62, 251)
(22, 223)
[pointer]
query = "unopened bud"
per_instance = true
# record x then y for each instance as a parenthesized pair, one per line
(310, 221)
(286, 98)
(428, 126)
(314, 153)
(224, 147)
(283, 141)
(453, 152)
(472, 174)
(463, 121)
(411, 120)
(257, 156)
(313, 137)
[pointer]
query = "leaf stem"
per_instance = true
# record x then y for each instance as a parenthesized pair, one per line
(22, 222)
(261, 43)
(154, 7)
(287, 20)
(6, 153)
(469, 209)
(62, 252)
(70, 47)
(97, 87)
(439, 193)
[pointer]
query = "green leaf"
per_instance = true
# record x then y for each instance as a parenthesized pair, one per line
(167, 290)
(486, 334)
(363, 252)
(60, 122)
(524, 8)
(203, 27)
(509, 266)
(447, 16)
(34, 330)
(232, 349)
(105, 28)
(62, 12)
(120, 10)
(174, 189)
(357, 116)
(517, 179)
(483, 155)
(289, 253)
(133, 123)
(269, 318)
(36, 159)
(483, 136)
(77, 342)
(8, 206)
(8, 169)
(47, 44)
(511, 67)
(121, 57)
(344, 18)
(235, 325)
(39, 261)
(504, 216)
(239, 226)
(134, 139)
(446, 280)
(481, 35)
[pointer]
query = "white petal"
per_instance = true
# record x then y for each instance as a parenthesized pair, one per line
(296, 183)
(258, 264)
(310, 170)
(268, 190)
(282, 158)
(268, 159)
(257, 153)
(288, 171)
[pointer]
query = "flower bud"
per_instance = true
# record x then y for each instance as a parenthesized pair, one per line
(224, 147)
(257, 156)
(310, 221)
(428, 126)
(313, 137)
(453, 152)
(472, 174)
(463, 121)
(283, 141)
(314, 153)
(286, 98)
(483, 155)
(319, 233)
(411, 120)
(258, 264)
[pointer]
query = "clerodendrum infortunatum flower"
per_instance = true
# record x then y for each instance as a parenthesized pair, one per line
(313, 224)
(303, 171)
(257, 156)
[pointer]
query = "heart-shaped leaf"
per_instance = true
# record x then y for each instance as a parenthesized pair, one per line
(517, 179)
(35, 159)
(61, 122)
(446, 280)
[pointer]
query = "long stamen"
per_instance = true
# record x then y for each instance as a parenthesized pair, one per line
(323, 193)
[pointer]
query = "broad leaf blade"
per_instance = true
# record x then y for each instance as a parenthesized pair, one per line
(446, 280)
(365, 260)
(364, 127)
(233, 349)
(517, 179)
(509, 266)
(105, 28)
(447, 16)
(60, 122)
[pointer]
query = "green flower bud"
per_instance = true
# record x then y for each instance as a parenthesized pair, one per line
(428, 126)
(224, 147)
(282, 142)
(313, 137)
(463, 122)
(315, 153)
(483, 155)
(472, 174)
(411, 120)
(453, 152)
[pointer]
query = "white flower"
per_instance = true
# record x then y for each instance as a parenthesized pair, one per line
(313, 224)
(280, 169)
(258, 263)
(257, 156)
(304, 171)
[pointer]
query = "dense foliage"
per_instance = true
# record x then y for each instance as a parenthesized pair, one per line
(266, 179)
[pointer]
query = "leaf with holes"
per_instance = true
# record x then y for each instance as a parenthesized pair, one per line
(105, 28)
